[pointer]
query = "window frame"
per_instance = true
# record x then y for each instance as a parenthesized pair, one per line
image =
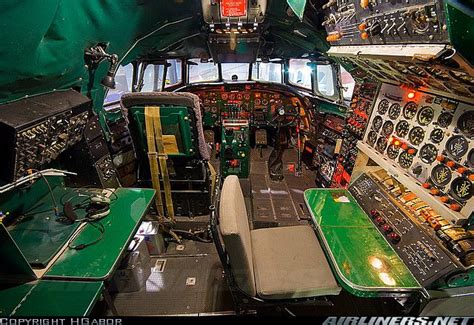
(287, 75)
(337, 96)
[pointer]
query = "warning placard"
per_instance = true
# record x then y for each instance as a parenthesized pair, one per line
(233, 8)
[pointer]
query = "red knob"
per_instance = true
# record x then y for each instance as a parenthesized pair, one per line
(434, 191)
(455, 207)
(426, 185)
(451, 164)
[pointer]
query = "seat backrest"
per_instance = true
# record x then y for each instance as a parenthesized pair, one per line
(235, 232)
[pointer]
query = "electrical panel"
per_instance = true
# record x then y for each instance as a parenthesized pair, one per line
(235, 148)
(35, 130)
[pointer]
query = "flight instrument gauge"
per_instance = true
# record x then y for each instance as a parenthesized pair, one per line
(445, 119)
(402, 129)
(405, 160)
(371, 138)
(470, 158)
(416, 136)
(428, 153)
(437, 135)
(466, 124)
(377, 123)
(387, 128)
(425, 115)
(409, 111)
(381, 144)
(392, 151)
(462, 189)
(394, 111)
(457, 146)
(383, 107)
(441, 175)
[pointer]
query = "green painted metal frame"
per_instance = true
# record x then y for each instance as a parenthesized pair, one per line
(363, 261)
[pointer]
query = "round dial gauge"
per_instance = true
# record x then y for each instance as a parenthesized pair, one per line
(470, 158)
(466, 124)
(224, 96)
(457, 146)
(392, 152)
(437, 135)
(405, 160)
(416, 136)
(425, 115)
(462, 188)
(394, 111)
(441, 175)
(371, 138)
(387, 128)
(402, 129)
(383, 107)
(428, 153)
(381, 144)
(377, 123)
(409, 111)
(445, 119)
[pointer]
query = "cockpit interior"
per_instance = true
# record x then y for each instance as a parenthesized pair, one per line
(236, 157)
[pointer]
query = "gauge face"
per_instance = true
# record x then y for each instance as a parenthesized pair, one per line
(441, 175)
(428, 153)
(224, 96)
(466, 124)
(402, 129)
(409, 111)
(416, 136)
(405, 160)
(381, 144)
(371, 138)
(470, 158)
(383, 107)
(425, 115)
(457, 146)
(445, 119)
(394, 111)
(437, 135)
(462, 188)
(392, 152)
(387, 128)
(377, 123)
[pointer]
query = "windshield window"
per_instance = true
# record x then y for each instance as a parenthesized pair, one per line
(123, 83)
(152, 78)
(299, 73)
(241, 70)
(173, 73)
(325, 80)
(202, 72)
(348, 84)
(267, 71)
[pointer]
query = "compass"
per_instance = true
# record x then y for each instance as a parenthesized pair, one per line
(409, 111)
(437, 135)
(394, 111)
(402, 129)
(462, 189)
(383, 107)
(428, 153)
(416, 136)
(457, 146)
(425, 115)
(441, 175)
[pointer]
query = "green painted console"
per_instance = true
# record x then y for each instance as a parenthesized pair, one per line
(235, 148)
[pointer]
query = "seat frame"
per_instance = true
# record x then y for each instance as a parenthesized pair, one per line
(243, 302)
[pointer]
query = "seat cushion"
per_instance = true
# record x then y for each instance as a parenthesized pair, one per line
(290, 263)
(235, 231)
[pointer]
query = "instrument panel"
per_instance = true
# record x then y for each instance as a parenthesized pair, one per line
(428, 137)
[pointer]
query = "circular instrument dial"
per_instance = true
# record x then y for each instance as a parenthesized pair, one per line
(371, 138)
(394, 111)
(416, 136)
(470, 158)
(409, 111)
(405, 160)
(224, 96)
(462, 188)
(392, 152)
(445, 119)
(441, 175)
(383, 107)
(425, 115)
(377, 123)
(437, 135)
(457, 146)
(381, 144)
(428, 153)
(466, 124)
(387, 128)
(402, 129)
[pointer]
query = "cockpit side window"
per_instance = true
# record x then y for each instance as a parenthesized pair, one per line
(348, 84)
(123, 84)
(174, 74)
(152, 78)
(325, 81)
(299, 73)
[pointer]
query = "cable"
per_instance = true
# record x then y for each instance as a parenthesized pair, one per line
(100, 228)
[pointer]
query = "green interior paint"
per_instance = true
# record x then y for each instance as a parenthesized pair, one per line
(298, 7)
(459, 17)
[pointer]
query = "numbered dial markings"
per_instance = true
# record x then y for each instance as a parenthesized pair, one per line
(371, 138)
(441, 175)
(466, 124)
(425, 115)
(394, 111)
(392, 152)
(377, 123)
(381, 144)
(462, 189)
(417, 135)
(428, 153)
(457, 146)
(445, 119)
(383, 107)
(410, 109)
(405, 160)
(437, 135)
(387, 128)
(402, 129)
